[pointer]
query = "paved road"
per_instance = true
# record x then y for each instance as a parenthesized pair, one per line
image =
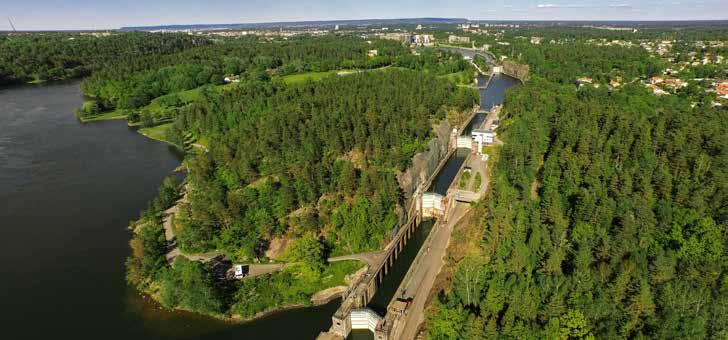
(262, 269)
(371, 258)
(426, 271)
(423, 278)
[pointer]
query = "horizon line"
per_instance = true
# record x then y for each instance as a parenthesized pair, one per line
(332, 21)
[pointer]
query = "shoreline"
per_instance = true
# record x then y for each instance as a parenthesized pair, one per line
(238, 320)
(334, 293)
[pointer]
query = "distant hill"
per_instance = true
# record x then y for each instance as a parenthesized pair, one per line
(293, 24)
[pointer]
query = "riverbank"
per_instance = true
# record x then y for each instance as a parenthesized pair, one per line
(158, 133)
(320, 297)
(45, 185)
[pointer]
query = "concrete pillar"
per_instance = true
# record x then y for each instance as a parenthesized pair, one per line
(341, 325)
(380, 334)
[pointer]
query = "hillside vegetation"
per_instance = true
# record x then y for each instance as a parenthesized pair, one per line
(607, 212)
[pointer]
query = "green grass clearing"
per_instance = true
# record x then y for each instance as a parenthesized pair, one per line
(314, 76)
(111, 115)
(158, 132)
(304, 77)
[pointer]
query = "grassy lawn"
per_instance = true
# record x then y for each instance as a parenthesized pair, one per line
(336, 272)
(157, 105)
(303, 77)
(185, 97)
(314, 76)
(111, 115)
(204, 141)
(461, 78)
(158, 132)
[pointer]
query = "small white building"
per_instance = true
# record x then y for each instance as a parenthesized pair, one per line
(483, 137)
(232, 79)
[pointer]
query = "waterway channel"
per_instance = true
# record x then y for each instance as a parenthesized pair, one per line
(489, 97)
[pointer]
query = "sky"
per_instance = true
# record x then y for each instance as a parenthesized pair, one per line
(108, 14)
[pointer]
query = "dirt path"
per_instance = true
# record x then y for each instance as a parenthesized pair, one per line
(371, 258)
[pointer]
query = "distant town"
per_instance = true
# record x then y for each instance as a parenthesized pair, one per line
(679, 57)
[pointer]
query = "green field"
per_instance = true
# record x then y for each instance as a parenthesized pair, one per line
(303, 77)
(111, 115)
(158, 132)
(158, 105)
(460, 78)
(314, 76)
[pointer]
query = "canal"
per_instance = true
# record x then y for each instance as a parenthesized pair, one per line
(489, 97)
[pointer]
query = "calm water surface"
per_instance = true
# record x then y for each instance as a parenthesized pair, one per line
(67, 193)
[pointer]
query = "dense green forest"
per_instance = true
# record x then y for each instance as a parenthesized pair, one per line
(607, 212)
(56, 56)
(312, 161)
(151, 90)
(134, 83)
(596, 31)
(298, 158)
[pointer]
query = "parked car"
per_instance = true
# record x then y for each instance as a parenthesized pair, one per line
(241, 270)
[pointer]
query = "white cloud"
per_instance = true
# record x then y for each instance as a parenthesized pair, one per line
(555, 6)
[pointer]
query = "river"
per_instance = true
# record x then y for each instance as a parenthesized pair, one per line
(67, 193)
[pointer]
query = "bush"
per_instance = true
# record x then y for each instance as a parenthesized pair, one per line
(89, 108)
(189, 285)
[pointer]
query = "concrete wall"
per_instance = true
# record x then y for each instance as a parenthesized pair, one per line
(516, 70)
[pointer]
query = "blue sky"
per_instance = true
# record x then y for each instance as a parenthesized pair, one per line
(100, 14)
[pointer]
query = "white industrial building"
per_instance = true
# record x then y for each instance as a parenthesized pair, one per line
(483, 137)
(432, 204)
